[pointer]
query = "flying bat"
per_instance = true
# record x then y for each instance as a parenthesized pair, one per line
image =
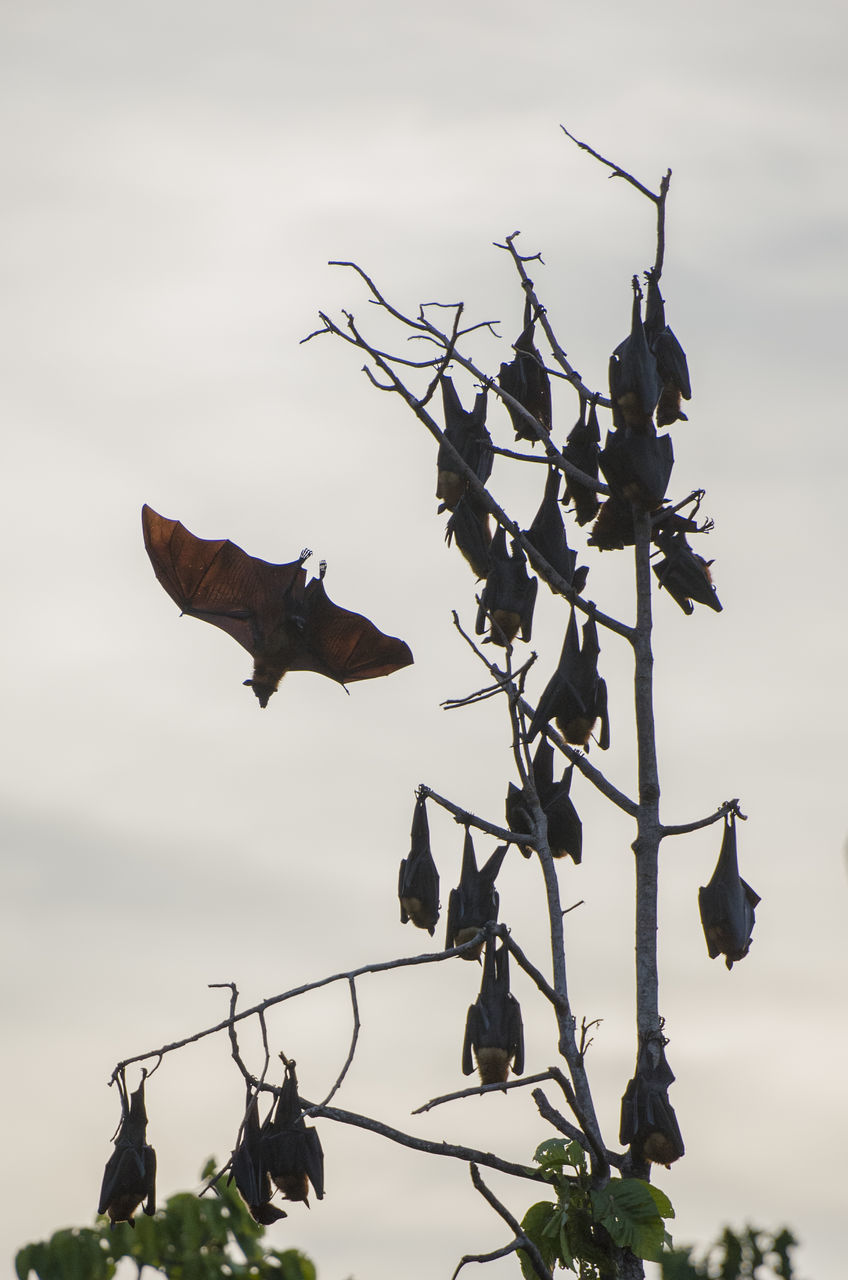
(474, 902)
(727, 903)
(547, 534)
(248, 1169)
(418, 880)
(291, 1149)
(526, 380)
(670, 357)
(284, 623)
(684, 574)
(466, 431)
(634, 378)
(130, 1174)
(509, 595)
(582, 448)
(575, 696)
(648, 1122)
(493, 1028)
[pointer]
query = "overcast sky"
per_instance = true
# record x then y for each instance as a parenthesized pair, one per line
(177, 177)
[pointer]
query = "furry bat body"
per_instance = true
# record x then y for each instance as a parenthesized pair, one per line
(475, 901)
(418, 879)
(727, 903)
(493, 1028)
(130, 1174)
(284, 623)
(648, 1121)
(509, 596)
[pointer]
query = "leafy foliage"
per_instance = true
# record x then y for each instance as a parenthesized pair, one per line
(582, 1229)
(736, 1257)
(192, 1238)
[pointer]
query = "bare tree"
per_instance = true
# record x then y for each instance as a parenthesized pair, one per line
(605, 1216)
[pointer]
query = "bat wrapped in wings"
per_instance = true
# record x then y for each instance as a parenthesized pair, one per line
(285, 623)
(130, 1174)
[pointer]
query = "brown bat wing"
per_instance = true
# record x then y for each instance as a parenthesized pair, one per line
(216, 581)
(343, 645)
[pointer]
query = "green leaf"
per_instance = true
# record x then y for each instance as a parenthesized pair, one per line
(534, 1224)
(556, 1152)
(629, 1211)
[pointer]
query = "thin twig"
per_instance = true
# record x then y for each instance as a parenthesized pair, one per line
(352, 1050)
(523, 1241)
(475, 1091)
(404, 962)
(683, 828)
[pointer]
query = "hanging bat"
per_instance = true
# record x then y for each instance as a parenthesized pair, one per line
(518, 816)
(575, 695)
(547, 533)
(684, 574)
(474, 903)
(469, 528)
(582, 448)
(285, 624)
(509, 595)
(565, 830)
(418, 880)
(727, 903)
(648, 1122)
(637, 465)
(291, 1149)
(493, 1028)
(614, 528)
(526, 380)
(248, 1169)
(466, 431)
(670, 357)
(634, 379)
(130, 1174)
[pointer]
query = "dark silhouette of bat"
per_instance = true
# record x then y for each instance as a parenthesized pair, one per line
(466, 431)
(418, 880)
(493, 1027)
(248, 1169)
(634, 378)
(582, 449)
(637, 465)
(575, 695)
(614, 528)
(648, 1122)
(130, 1174)
(565, 830)
(474, 902)
(670, 357)
(469, 527)
(291, 1149)
(526, 380)
(547, 533)
(727, 903)
(684, 574)
(285, 624)
(509, 595)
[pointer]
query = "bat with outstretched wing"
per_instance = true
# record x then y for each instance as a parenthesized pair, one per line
(285, 623)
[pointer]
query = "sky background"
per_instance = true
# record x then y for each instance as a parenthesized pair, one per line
(176, 179)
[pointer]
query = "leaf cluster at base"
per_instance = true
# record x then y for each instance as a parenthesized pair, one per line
(583, 1228)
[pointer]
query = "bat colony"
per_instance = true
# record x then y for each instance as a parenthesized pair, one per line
(287, 624)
